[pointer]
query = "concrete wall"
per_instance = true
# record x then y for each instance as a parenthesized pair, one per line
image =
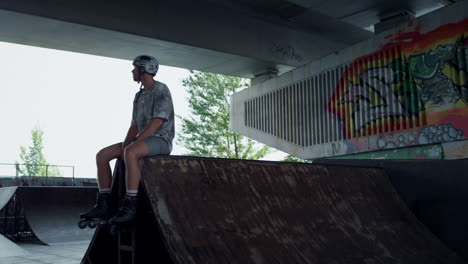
(46, 181)
(449, 150)
(402, 88)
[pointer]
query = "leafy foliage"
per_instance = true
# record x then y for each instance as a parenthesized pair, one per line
(206, 132)
(290, 158)
(33, 158)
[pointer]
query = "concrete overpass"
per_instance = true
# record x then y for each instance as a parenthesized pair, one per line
(240, 38)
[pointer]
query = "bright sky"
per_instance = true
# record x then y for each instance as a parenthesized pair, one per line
(82, 103)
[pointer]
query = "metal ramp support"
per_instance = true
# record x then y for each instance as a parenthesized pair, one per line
(126, 241)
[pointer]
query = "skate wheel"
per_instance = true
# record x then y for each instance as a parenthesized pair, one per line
(92, 225)
(82, 224)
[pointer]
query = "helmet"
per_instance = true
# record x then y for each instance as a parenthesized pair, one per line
(150, 63)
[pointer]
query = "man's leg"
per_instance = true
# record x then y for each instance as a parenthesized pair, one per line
(132, 154)
(102, 208)
(103, 167)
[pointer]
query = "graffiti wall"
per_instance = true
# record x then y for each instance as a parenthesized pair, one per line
(418, 152)
(407, 88)
(412, 91)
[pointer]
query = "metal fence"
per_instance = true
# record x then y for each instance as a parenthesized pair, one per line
(36, 170)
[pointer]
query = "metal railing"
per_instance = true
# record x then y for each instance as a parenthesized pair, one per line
(18, 170)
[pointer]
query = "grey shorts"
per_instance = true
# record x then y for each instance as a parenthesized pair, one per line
(157, 146)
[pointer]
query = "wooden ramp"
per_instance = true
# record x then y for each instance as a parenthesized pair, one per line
(200, 210)
(50, 212)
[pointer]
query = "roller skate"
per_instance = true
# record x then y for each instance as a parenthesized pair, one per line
(124, 220)
(100, 214)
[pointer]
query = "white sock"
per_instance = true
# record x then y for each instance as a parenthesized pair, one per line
(104, 190)
(132, 193)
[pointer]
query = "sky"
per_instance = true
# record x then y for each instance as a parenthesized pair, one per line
(82, 103)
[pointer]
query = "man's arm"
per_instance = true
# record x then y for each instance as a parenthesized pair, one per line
(153, 125)
(132, 132)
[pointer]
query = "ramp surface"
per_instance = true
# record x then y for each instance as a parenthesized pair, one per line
(53, 212)
(231, 211)
(434, 190)
(200, 210)
(6, 194)
(10, 249)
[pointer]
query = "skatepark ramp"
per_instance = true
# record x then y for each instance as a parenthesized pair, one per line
(10, 249)
(435, 191)
(50, 212)
(202, 210)
(5, 195)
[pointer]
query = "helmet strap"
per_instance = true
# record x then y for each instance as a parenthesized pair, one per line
(140, 74)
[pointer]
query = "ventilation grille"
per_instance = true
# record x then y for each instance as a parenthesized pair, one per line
(375, 94)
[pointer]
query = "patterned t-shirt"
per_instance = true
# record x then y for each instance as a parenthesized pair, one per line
(155, 102)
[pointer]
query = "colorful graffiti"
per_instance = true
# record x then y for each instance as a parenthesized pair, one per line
(415, 80)
(427, 135)
(416, 152)
(456, 150)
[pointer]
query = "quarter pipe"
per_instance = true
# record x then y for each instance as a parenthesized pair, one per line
(200, 210)
(52, 212)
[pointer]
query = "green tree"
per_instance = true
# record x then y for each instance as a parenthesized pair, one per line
(291, 158)
(206, 132)
(33, 158)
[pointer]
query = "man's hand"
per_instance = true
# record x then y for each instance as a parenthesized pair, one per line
(152, 127)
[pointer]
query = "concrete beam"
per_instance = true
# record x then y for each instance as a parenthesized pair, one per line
(48, 33)
(190, 34)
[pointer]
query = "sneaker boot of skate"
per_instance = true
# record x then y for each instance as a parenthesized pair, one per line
(127, 212)
(101, 209)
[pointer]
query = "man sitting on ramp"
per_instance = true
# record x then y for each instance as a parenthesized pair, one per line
(151, 132)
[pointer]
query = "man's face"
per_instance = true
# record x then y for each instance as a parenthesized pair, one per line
(135, 73)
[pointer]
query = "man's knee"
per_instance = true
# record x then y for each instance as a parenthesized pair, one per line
(107, 154)
(129, 153)
(101, 157)
(132, 152)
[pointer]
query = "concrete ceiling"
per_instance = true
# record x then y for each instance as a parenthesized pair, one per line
(235, 37)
